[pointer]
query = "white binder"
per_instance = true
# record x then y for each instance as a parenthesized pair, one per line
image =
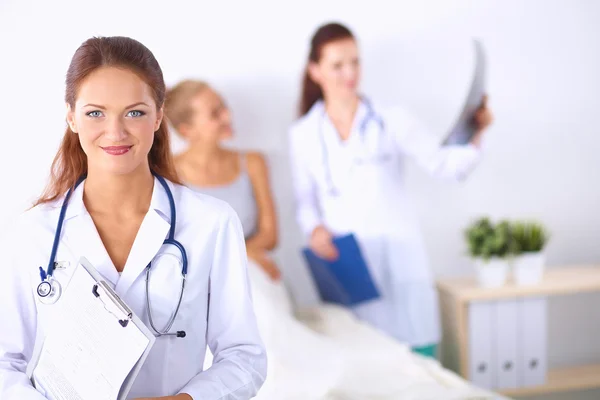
(481, 335)
(506, 343)
(97, 346)
(532, 363)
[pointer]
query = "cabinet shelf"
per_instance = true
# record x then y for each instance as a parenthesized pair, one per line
(457, 295)
(556, 281)
(561, 380)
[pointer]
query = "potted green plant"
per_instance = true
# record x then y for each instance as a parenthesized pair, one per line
(529, 242)
(489, 246)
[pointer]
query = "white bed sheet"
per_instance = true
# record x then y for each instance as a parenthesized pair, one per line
(327, 354)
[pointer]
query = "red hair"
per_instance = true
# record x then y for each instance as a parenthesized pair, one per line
(70, 162)
(311, 91)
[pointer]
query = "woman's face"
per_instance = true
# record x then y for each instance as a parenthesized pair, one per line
(115, 117)
(338, 69)
(210, 120)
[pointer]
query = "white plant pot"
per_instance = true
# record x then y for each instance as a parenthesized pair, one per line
(491, 273)
(528, 268)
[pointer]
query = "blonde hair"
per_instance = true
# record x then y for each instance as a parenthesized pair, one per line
(178, 99)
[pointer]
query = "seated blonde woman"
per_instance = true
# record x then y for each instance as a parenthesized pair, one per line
(201, 117)
(327, 354)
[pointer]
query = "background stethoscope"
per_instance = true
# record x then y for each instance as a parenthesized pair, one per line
(49, 290)
(371, 115)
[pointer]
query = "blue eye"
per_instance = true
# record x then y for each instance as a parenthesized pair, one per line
(94, 114)
(136, 113)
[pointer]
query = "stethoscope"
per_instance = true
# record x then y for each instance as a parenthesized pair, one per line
(371, 116)
(49, 290)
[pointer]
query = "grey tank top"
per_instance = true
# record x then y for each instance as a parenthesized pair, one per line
(240, 196)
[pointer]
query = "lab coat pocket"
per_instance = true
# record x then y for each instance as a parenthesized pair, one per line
(378, 158)
(374, 170)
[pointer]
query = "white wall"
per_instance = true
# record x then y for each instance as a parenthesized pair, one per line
(544, 59)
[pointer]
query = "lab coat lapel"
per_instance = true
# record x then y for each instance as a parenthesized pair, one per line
(359, 125)
(342, 154)
(81, 237)
(148, 241)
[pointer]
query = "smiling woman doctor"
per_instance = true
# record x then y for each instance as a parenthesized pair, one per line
(118, 218)
(347, 157)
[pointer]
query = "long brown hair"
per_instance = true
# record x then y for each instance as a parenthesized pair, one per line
(311, 91)
(70, 162)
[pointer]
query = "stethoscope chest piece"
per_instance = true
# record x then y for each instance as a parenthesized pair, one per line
(49, 291)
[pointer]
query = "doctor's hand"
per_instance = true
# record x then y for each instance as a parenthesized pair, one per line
(321, 243)
(263, 259)
(482, 119)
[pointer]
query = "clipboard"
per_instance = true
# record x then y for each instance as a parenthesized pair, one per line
(463, 129)
(93, 294)
(345, 281)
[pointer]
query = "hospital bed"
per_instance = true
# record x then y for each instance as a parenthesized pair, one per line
(325, 353)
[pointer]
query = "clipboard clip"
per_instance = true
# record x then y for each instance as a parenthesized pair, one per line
(113, 303)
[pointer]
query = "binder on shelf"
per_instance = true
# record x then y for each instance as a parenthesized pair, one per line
(506, 343)
(481, 340)
(532, 364)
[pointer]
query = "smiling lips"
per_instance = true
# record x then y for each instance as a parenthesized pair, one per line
(116, 150)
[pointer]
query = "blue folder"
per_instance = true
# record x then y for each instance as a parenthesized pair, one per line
(345, 281)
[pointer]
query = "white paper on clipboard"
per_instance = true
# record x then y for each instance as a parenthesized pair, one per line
(463, 130)
(96, 347)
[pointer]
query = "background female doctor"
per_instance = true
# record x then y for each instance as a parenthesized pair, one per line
(347, 157)
(118, 219)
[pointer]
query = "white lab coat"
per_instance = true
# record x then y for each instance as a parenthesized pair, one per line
(212, 235)
(374, 205)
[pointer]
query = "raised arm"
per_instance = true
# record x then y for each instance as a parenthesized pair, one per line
(412, 138)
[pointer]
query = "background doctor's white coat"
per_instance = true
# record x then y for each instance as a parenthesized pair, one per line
(542, 151)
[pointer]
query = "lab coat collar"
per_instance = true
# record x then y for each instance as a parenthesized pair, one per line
(362, 113)
(75, 206)
(81, 236)
(318, 109)
(331, 135)
(159, 202)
